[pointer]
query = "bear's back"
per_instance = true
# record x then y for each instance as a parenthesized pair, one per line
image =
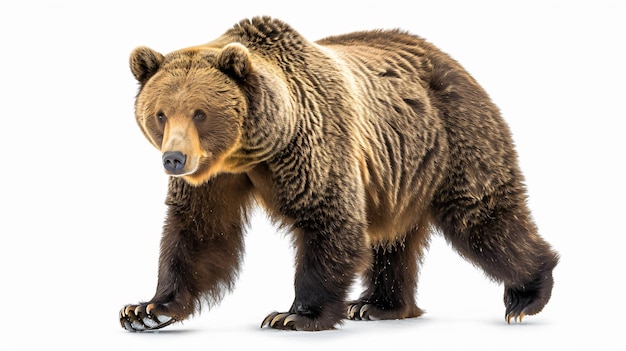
(419, 99)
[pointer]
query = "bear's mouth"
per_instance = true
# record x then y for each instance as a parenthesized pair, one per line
(203, 171)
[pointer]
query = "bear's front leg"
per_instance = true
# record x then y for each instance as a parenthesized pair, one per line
(201, 250)
(330, 251)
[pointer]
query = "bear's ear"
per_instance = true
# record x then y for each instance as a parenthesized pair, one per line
(144, 63)
(234, 60)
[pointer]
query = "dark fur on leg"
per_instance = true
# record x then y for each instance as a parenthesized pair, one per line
(331, 249)
(201, 251)
(325, 270)
(391, 281)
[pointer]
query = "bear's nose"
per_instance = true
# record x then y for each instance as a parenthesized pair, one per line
(174, 161)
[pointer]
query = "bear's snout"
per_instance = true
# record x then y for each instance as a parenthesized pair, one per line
(174, 162)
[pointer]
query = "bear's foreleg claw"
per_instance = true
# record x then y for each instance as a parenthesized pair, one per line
(295, 321)
(141, 318)
(278, 320)
(360, 312)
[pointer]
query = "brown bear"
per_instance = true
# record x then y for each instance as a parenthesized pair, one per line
(361, 145)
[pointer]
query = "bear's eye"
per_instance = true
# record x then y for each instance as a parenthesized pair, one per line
(199, 116)
(160, 116)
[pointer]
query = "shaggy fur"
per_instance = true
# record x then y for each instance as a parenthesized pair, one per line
(361, 145)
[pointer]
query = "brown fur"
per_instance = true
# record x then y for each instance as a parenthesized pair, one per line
(358, 144)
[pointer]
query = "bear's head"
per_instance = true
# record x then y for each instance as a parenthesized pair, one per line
(194, 105)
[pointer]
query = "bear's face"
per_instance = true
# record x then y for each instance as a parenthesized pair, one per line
(191, 108)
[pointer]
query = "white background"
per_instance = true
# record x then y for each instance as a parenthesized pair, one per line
(82, 191)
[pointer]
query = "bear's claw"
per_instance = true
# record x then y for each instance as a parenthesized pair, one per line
(295, 321)
(517, 318)
(276, 320)
(360, 311)
(139, 318)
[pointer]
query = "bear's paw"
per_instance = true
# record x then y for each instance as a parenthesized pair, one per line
(527, 299)
(145, 317)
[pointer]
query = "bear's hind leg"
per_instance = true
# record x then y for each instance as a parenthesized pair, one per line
(391, 282)
(502, 240)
